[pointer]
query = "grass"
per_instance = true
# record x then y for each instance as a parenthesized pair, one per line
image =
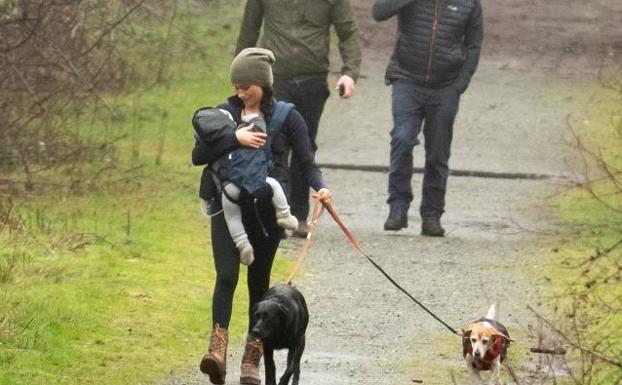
(126, 304)
(113, 286)
(592, 228)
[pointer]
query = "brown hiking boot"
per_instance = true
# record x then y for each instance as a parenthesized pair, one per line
(214, 363)
(249, 373)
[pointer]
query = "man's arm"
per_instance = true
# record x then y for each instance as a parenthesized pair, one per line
(349, 38)
(384, 9)
(251, 25)
(473, 37)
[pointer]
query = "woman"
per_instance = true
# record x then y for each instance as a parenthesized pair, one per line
(251, 75)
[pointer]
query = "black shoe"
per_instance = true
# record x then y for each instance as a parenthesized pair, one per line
(431, 226)
(397, 219)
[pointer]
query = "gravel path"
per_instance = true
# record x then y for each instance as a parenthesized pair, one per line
(512, 120)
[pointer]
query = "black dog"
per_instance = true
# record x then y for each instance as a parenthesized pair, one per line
(280, 321)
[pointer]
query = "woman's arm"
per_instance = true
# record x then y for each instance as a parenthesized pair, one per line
(298, 137)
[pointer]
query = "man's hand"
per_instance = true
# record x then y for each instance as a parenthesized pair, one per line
(249, 138)
(348, 86)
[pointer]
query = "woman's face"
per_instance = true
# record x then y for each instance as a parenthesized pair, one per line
(250, 94)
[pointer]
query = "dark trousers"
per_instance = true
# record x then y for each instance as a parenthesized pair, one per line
(309, 96)
(227, 258)
(435, 109)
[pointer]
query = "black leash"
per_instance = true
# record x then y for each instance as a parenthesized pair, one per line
(358, 247)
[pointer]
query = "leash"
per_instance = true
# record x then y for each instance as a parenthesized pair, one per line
(318, 210)
(358, 247)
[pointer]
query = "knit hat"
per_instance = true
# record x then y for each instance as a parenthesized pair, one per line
(253, 66)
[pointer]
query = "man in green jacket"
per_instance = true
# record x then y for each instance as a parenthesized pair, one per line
(298, 32)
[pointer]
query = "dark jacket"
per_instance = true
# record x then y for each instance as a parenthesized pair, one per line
(299, 35)
(293, 134)
(245, 167)
(438, 41)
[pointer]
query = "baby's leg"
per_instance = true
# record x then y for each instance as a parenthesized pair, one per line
(284, 217)
(233, 217)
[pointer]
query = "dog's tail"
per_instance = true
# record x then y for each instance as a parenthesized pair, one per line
(491, 312)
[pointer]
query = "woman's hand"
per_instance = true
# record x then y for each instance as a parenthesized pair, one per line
(249, 138)
(323, 194)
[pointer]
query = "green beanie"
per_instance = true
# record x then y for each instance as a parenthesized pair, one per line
(253, 66)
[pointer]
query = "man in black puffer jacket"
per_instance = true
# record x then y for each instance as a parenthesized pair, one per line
(436, 53)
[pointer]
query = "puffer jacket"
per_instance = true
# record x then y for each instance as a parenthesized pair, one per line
(438, 41)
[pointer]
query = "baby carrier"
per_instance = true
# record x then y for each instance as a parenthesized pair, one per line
(247, 168)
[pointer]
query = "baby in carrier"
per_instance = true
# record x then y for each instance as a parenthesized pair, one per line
(243, 168)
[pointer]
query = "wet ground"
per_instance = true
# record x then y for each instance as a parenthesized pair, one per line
(537, 59)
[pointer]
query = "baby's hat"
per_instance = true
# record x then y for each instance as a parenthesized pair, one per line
(212, 123)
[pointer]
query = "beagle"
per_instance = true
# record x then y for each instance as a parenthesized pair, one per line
(484, 346)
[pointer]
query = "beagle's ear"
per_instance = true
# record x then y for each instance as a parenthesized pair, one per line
(467, 333)
(496, 335)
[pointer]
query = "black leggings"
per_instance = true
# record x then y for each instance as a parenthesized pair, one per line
(265, 236)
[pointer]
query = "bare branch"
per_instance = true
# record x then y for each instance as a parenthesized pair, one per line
(576, 345)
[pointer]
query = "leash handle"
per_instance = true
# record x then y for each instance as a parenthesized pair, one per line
(358, 247)
(318, 210)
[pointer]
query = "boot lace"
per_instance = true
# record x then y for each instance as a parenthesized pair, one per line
(253, 352)
(218, 344)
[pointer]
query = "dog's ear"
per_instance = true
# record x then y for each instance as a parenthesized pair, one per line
(496, 334)
(467, 333)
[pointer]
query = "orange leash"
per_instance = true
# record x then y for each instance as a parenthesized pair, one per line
(318, 210)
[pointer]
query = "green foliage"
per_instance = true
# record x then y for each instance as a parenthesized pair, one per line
(589, 276)
(110, 281)
(9, 9)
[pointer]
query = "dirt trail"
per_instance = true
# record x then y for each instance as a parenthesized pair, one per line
(536, 57)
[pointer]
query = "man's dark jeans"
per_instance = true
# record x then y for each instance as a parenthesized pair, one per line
(309, 97)
(436, 108)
